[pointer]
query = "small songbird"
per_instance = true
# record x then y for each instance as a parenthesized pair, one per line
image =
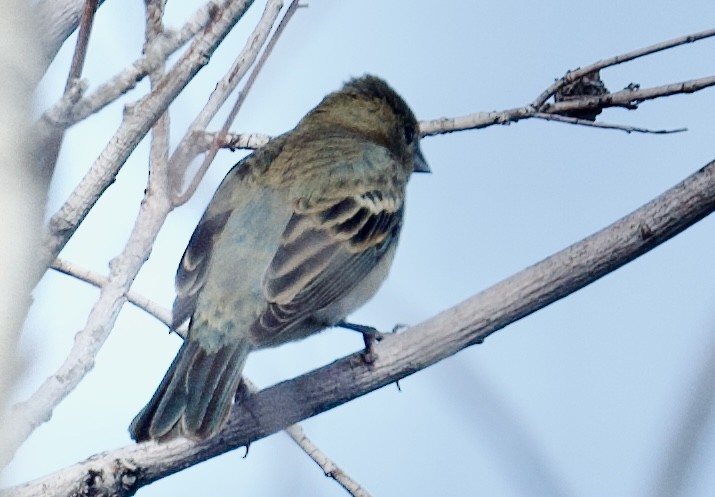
(298, 235)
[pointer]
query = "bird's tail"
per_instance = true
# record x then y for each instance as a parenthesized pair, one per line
(194, 398)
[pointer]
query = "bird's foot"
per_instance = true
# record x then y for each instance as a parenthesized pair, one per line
(370, 335)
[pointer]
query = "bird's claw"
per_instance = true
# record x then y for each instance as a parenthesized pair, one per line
(370, 336)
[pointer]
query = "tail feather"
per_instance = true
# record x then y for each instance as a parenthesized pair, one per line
(217, 381)
(195, 396)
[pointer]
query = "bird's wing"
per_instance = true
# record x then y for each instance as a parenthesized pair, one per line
(193, 268)
(327, 248)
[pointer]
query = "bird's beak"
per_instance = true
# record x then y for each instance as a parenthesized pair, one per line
(420, 162)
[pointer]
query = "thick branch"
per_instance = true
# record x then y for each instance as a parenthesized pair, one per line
(123, 471)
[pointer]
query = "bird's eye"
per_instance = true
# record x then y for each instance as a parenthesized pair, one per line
(409, 134)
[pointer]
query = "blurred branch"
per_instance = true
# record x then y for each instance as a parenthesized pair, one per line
(26, 416)
(681, 448)
(123, 471)
(20, 188)
(501, 429)
(49, 148)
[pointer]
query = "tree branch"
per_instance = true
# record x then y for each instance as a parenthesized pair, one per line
(137, 122)
(57, 20)
(122, 471)
(577, 74)
(241, 65)
(66, 113)
(49, 149)
(147, 305)
(602, 125)
(628, 98)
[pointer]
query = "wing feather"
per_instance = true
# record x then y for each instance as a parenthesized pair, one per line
(326, 250)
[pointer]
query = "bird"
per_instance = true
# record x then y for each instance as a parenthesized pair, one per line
(299, 234)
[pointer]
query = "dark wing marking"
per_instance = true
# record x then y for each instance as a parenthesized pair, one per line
(191, 274)
(325, 251)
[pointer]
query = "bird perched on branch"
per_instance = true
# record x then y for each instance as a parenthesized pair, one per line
(298, 235)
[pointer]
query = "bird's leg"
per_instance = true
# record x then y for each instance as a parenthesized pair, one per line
(369, 334)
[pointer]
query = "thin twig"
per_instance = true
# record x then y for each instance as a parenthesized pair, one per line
(185, 151)
(55, 22)
(326, 464)
(683, 443)
(572, 76)
(50, 146)
(602, 125)
(220, 136)
(95, 279)
(80, 51)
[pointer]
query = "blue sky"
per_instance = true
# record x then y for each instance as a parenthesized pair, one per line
(581, 398)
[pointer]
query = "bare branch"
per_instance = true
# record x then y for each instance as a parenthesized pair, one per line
(220, 136)
(26, 416)
(137, 122)
(185, 151)
(57, 20)
(628, 98)
(249, 141)
(164, 315)
(83, 274)
(329, 467)
(572, 76)
(682, 443)
(52, 142)
(65, 114)
(602, 125)
(122, 471)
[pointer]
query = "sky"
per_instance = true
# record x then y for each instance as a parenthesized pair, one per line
(582, 398)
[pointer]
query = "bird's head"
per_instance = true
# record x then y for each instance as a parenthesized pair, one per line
(370, 107)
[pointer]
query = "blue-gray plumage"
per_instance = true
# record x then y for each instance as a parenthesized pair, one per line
(298, 235)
